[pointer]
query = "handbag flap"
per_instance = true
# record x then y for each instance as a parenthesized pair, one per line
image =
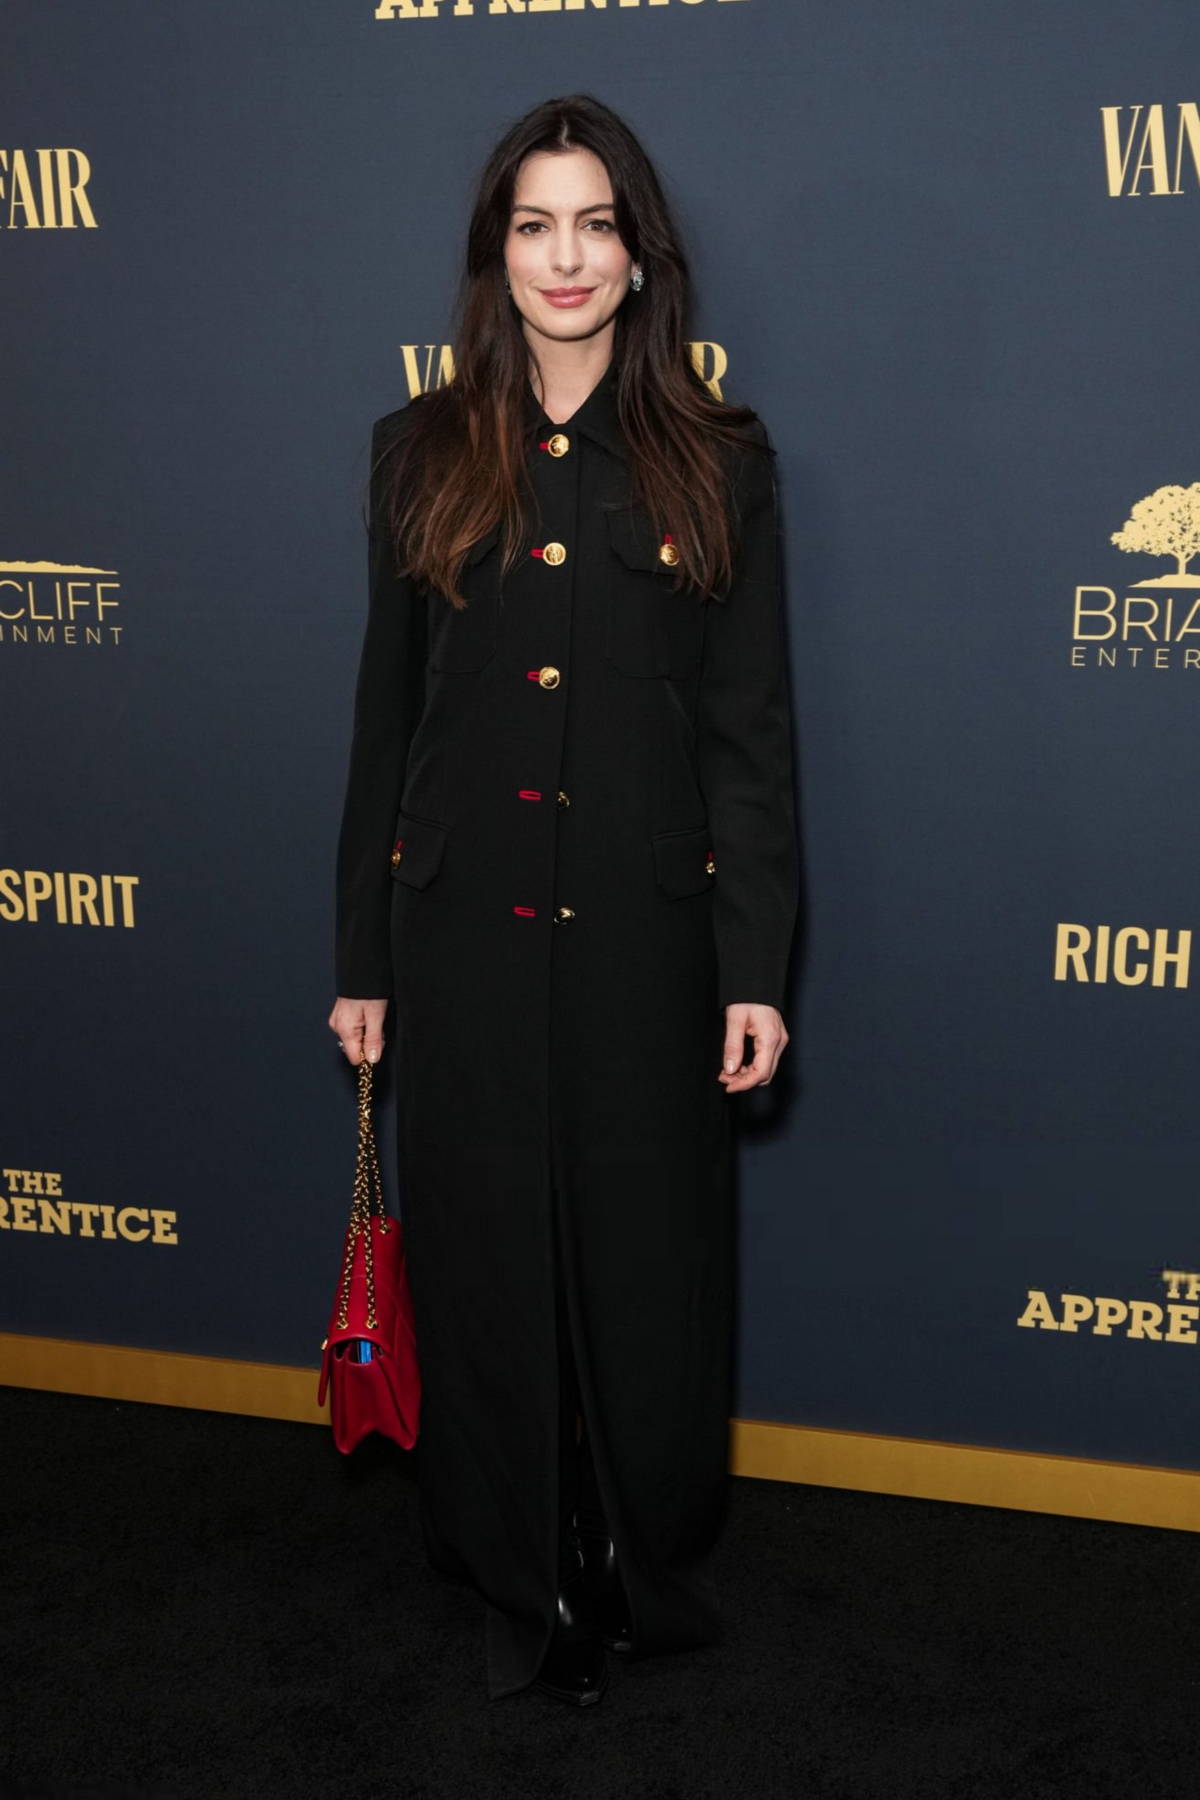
(383, 1394)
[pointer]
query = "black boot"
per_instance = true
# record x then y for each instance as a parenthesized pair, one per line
(610, 1607)
(574, 1667)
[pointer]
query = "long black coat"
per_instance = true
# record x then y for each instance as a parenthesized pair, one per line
(568, 843)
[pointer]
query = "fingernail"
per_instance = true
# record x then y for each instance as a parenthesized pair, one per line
(372, 1056)
(730, 1066)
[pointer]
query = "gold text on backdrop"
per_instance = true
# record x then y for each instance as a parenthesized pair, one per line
(33, 1200)
(1140, 156)
(40, 896)
(58, 603)
(1110, 953)
(43, 190)
(467, 9)
(1173, 1323)
(428, 366)
(1104, 630)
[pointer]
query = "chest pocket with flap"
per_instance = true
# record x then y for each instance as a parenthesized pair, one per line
(653, 627)
(460, 641)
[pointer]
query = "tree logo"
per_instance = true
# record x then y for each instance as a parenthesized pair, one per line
(1165, 523)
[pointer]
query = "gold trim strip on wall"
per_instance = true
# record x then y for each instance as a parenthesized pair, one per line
(161, 1378)
(972, 1475)
(915, 1468)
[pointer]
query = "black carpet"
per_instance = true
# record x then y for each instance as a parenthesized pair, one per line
(199, 1607)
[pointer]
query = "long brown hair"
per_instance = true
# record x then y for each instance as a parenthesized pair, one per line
(460, 469)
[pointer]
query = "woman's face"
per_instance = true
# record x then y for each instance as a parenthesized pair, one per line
(562, 236)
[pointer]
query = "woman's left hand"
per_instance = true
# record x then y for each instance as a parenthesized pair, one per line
(751, 1019)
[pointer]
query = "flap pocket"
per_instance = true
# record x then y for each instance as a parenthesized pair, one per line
(633, 536)
(462, 639)
(683, 861)
(417, 850)
(655, 621)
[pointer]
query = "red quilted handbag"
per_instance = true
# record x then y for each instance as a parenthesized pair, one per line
(369, 1357)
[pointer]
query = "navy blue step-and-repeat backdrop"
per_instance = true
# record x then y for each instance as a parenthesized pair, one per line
(950, 255)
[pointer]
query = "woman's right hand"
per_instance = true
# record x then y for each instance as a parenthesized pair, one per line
(358, 1025)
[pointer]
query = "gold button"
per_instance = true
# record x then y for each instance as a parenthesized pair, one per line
(668, 553)
(548, 677)
(563, 799)
(558, 445)
(562, 913)
(396, 855)
(710, 867)
(555, 553)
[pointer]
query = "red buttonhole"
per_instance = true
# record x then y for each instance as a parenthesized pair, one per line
(399, 842)
(526, 912)
(536, 551)
(529, 793)
(533, 674)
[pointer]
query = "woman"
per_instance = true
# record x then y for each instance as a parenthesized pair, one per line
(568, 855)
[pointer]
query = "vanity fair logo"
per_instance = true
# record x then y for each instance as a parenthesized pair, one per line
(45, 190)
(1149, 631)
(33, 1200)
(67, 604)
(428, 366)
(1151, 150)
(466, 9)
(1171, 1320)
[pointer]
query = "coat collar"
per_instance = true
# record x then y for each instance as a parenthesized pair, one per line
(597, 418)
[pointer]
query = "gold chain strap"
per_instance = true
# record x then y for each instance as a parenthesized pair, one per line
(368, 1201)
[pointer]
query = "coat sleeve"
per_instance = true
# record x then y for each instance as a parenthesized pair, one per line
(744, 748)
(387, 704)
